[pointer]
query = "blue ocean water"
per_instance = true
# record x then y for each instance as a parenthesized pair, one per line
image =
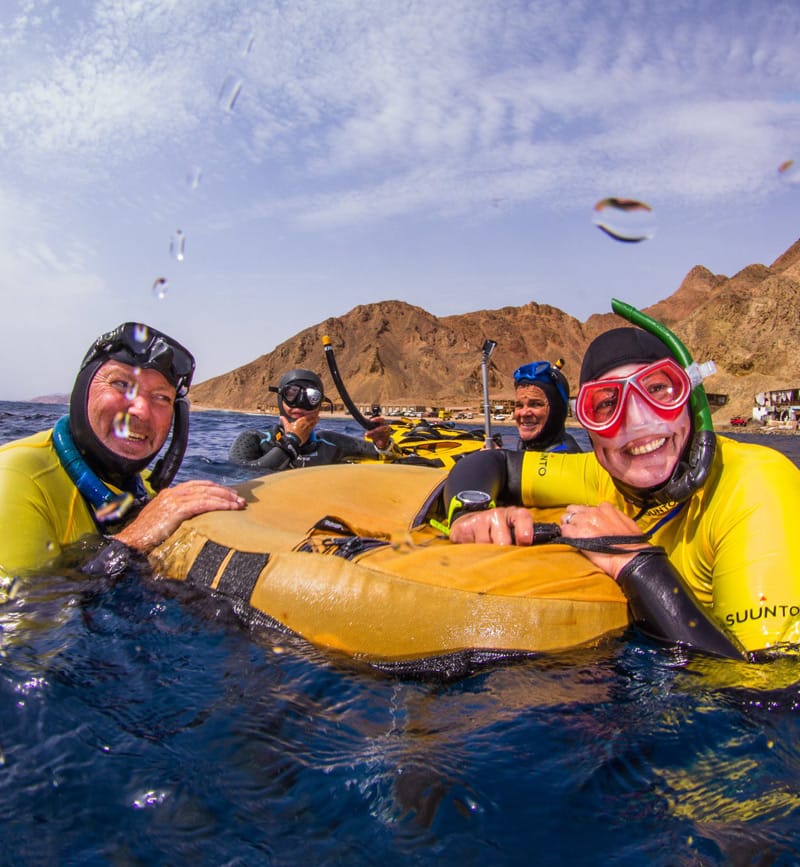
(141, 723)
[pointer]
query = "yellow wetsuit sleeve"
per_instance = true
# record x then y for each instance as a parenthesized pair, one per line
(748, 540)
(558, 479)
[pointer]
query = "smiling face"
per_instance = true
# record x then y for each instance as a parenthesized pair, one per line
(130, 409)
(531, 410)
(646, 448)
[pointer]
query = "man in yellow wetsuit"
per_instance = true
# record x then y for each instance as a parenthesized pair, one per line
(717, 566)
(86, 475)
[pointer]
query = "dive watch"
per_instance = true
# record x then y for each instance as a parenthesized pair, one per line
(468, 501)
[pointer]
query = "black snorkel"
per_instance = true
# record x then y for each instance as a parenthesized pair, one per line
(692, 469)
(359, 417)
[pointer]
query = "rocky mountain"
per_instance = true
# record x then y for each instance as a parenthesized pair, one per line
(393, 353)
(51, 398)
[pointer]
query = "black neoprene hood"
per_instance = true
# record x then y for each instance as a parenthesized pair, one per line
(618, 347)
(301, 375)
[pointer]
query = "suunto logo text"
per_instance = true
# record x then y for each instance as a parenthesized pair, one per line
(759, 613)
(542, 470)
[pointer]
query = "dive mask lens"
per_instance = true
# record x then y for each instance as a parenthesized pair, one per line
(664, 385)
(301, 396)
(172, 360)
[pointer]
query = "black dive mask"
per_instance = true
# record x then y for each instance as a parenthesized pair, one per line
(300, 395)
(141, 346)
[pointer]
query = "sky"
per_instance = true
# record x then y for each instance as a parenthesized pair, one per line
(232, 173)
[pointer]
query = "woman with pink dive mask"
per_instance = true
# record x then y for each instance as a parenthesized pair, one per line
(638, 420)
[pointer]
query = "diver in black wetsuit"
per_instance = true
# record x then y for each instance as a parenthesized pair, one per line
(293, 442)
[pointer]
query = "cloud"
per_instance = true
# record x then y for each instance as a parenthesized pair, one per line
(362, 96)
(359, 119)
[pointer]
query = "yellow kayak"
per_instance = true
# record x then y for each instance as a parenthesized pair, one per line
(435, 441)
(343, 556)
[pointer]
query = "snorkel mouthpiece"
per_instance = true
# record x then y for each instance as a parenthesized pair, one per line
(690, 474)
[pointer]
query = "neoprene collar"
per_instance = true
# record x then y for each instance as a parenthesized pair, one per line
(107, 505)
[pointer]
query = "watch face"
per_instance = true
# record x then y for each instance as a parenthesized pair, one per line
(474, 498)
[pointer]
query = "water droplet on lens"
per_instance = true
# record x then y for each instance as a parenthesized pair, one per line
(133, 387)
(193, 177)
(160, 288)
(790, 172)
(122, 425)
(115, 509)
(177, 245)
(627, 220)
(229, 92)
(141, 333)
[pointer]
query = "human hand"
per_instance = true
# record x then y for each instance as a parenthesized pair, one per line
(381, 434)
(584, 522)
(506, 526)
(302, 426)
(171, 507)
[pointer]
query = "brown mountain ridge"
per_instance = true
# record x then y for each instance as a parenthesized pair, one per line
(395, 354)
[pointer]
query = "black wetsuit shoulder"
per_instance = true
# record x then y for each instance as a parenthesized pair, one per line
(272, 449)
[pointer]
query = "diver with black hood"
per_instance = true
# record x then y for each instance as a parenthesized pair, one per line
(295, 442)
(698, 530)
(541, 404)
(87, 476)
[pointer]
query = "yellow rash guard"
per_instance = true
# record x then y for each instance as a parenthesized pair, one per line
(41, 510)
(733, 541)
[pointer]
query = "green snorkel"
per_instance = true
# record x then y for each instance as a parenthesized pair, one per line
(690, 473)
